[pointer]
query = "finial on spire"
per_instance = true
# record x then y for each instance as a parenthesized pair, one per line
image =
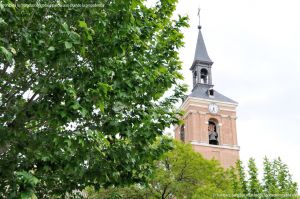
(199, 26)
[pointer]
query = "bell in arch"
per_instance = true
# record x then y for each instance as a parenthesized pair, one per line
(213, 135)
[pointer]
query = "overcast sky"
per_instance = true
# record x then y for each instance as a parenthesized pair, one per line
(255, 46)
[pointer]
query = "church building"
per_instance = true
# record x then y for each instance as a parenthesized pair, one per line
(210, 117)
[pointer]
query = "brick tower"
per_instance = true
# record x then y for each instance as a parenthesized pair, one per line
(210, 117)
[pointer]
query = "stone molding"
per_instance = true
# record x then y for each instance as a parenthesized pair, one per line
(223, 146)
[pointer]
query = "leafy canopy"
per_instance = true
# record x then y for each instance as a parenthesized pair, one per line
(184, 173)
(81, 93)
(180, 173)
(276, 180)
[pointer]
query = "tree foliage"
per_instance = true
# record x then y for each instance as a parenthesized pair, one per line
(276, 181)
(128, 192)
(180, 173)
(254, 186)
(184, 173)
(81, 93)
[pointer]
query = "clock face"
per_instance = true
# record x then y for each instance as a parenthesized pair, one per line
(213, 108)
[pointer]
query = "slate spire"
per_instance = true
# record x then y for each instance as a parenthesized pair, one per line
(201, 54)
(202, 74)
(201, 67)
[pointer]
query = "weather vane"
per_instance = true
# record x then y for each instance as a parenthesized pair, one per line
(199, 26)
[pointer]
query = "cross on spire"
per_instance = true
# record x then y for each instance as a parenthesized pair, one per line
(199, 26)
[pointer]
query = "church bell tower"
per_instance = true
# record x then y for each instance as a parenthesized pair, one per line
(210, 117)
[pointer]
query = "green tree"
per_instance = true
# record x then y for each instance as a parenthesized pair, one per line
(81, 93)
(276, 182)
(242, 177)
(254, 185)
(127, 192)
(269, 177)
(184, 173)
(237, 182)
(277, 178)
(180, 173)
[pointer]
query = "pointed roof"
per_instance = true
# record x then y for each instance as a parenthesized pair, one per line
(201, 52)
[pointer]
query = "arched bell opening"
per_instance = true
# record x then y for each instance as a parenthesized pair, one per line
(213, 133)
(203, 76)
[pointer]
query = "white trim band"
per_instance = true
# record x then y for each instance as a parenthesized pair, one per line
(231, 147)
